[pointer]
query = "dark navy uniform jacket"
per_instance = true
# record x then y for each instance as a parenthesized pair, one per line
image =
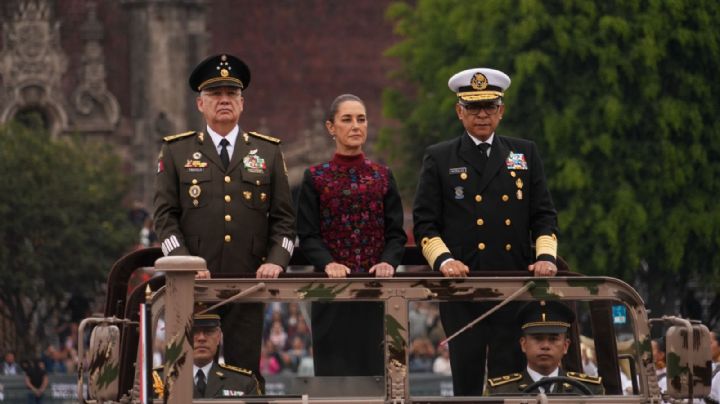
(487, 216)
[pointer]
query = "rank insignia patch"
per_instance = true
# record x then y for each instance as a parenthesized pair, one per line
(516, 161)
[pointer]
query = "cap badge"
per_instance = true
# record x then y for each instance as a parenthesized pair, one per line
(224, 73)
(479, 81)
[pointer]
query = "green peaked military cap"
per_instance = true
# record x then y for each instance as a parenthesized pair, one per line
(222, 70)
(545, 317)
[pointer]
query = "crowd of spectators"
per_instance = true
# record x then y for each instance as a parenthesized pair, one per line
(287, 341)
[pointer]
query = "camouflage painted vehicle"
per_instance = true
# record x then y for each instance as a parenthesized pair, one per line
(610, 311)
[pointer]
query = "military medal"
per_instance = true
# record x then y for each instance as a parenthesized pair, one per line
(194, 191)
(254, 163)
(247, 195)
(519, 183)
(519, 194)
(197, 155)
(516, 161)
(263, 196)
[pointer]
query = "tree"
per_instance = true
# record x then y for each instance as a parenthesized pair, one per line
(621, 97)
(61, 222)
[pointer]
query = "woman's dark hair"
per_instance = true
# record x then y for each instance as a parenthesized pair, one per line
(339, 100)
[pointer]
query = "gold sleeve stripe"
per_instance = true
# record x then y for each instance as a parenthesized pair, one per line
(432, 248)
(546, 245)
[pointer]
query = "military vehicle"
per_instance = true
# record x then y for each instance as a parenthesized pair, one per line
(612, 323)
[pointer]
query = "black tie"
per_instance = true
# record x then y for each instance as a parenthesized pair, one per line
(483, 147)
(200, 375)
(224, 156)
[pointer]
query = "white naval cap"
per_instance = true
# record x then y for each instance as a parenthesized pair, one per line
(479, 84)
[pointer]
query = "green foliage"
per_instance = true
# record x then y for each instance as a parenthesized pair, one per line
(621, 97)
(61, 221)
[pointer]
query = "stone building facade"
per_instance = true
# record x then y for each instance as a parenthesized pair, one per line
(115, 71)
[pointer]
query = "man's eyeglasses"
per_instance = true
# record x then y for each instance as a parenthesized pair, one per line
(474, 109)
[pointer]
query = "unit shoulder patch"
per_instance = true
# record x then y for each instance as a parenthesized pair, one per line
(266, 137)
(499, 381)
(584, 378)
(236, 369)
(179, 136)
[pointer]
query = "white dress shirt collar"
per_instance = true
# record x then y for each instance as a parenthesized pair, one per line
(205, 369)
(478, 141)
(231, 138)
(537, 376)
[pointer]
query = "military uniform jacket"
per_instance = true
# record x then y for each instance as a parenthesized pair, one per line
(517, 382)
(235, 219)
(222, 381)
(486, 216)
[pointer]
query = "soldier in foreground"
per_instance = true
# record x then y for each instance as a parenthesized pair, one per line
(210, 379)
(544, 342)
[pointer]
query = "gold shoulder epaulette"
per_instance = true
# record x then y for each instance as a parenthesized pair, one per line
(584, 378)
(178, 136)
(499, 381)
(237, 369)
(266, 137)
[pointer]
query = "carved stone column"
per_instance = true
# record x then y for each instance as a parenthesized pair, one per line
(167, 39)
(32, 64)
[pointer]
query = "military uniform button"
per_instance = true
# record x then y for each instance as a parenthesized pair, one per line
(194, 181)
(227, 179)
(481, 246)
(507, 222)
(228, 218)
(508, 247)
(463, 176)
(512, 174)
(478, 198)
(257, 182)
(480, 222)
(505, 198)
(228, 198)
(228, 238)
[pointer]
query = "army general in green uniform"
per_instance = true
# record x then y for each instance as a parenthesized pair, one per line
(544, 341)
(223, 194)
